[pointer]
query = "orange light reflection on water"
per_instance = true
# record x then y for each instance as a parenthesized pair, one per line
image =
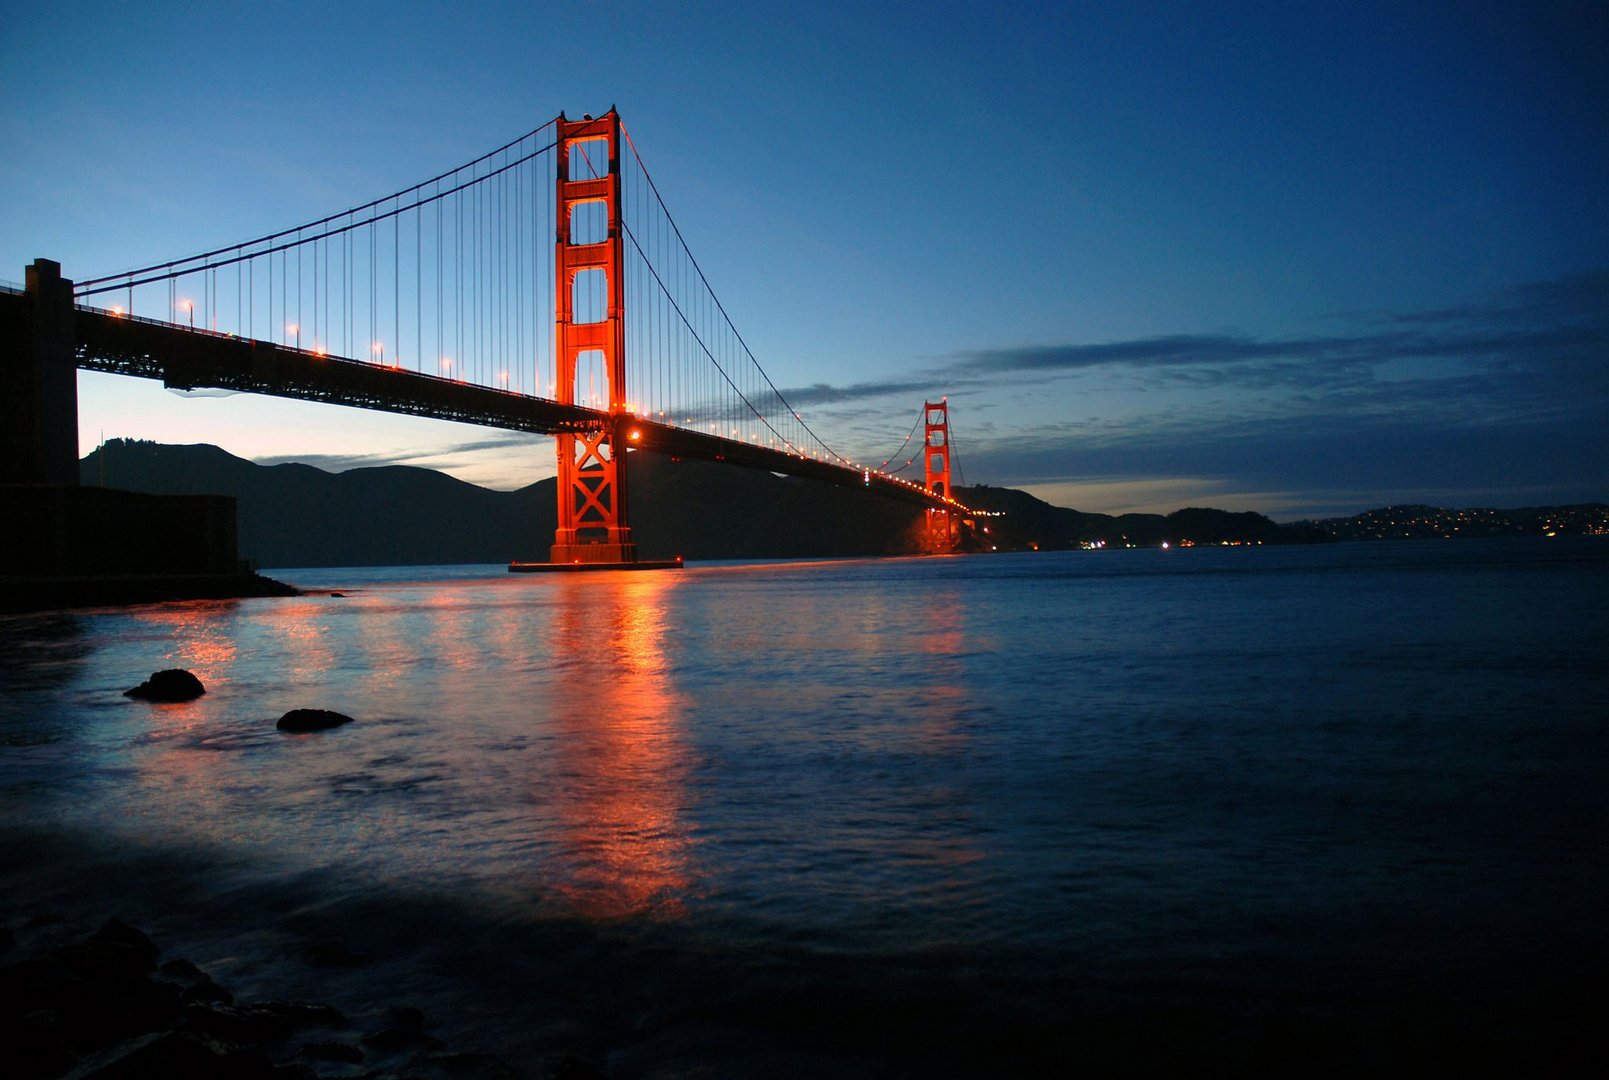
(303, 625)
(623, 840)
(173, 764)
(202, 642)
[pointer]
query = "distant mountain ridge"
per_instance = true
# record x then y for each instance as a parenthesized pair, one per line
(1032, 523)
(297, 515)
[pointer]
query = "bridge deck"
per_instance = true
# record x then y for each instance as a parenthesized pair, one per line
(189, 359)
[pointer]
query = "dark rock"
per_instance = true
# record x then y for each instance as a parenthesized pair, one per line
(161, 1053)
(392, 1040)
(121, 939)
(311, 720)
(472, 1067)
(77, 998)
(406, 1017)
(175, 1055)
(343, 1053)
(570, 1067)
(174, 684)
(30, 1052)
(99, 1008)
(206, 992)
(100, 964)
(260, 1021)
(323, 955)
(195, 985)
(302, 1014)
(236, 1025)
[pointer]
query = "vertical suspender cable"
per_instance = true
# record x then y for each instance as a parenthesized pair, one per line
(517, 287)
(458, 279)
(419, 289)
(396, 290)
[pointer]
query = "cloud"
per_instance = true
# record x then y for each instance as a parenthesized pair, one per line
(438, 456)
(1552, 322)
(1170, 350)
(1530, 303)
(1509, 394)
(1535, 347)
(826, 394)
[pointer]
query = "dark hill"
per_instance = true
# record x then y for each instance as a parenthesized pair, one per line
(296, 515)
(1033, 523)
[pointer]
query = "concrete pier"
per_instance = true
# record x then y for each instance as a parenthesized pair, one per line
(39, 382)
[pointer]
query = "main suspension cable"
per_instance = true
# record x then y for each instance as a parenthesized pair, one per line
(181, 267)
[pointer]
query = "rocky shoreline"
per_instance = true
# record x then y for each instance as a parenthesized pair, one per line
(105, 1005)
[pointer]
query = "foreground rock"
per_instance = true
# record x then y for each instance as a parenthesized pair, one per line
(312, 720)
(97, 1007)
(174, 684)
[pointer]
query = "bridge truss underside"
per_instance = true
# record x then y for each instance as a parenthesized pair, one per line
(186, 359)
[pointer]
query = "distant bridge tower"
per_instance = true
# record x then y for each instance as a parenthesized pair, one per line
(942, 533)
(592, 526)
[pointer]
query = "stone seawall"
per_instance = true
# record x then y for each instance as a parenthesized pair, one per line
(75, 546)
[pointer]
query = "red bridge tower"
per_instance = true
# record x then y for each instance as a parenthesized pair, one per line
(592, 525)
(942, 533)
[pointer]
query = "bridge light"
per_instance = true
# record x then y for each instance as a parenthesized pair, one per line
(117, 309)
(634, 435)
(190, 307)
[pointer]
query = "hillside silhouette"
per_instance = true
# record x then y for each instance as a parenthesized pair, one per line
(297, 515)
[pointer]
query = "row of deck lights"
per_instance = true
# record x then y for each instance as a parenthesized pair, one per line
(378, 350)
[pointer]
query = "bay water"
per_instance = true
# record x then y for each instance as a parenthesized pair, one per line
(1215, 808)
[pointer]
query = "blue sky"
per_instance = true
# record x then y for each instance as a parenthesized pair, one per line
(1297, 258)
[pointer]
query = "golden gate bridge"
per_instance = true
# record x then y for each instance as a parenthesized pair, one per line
(543, 287)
